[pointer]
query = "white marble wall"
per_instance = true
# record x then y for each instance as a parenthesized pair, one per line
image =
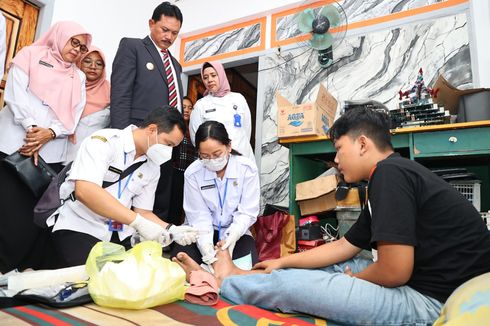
(375, 66)
(238, 39)
(355, 10)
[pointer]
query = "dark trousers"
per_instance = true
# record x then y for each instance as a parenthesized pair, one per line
(163, 193)
(176, 215)
(73, 247)
(244, 246)
(22, 243)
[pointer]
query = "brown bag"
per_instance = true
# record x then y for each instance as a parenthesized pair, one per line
(275, 234)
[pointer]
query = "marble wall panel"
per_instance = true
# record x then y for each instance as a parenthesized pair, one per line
(373, 66)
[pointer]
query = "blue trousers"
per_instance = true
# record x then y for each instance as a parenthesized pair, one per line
(330, 294)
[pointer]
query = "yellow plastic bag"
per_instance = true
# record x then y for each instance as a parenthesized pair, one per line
(137, 279)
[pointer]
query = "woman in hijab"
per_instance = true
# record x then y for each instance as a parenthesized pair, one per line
(95, 115)
(222, 105)
(45, 97)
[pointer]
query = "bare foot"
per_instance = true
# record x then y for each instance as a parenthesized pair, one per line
(224, 267)
(187, 263)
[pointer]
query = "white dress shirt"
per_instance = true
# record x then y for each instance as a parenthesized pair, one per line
(107, 147)
(86, 126)
(223, 109)
(179, 102)
(24, 109)
(240, 205)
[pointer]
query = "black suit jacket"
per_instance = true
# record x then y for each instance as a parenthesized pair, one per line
(136, 89)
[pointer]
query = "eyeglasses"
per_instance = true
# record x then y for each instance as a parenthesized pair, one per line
(76, 43)
(99, 65)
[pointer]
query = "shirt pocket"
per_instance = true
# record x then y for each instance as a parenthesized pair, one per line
(212, 114)
(135, 185)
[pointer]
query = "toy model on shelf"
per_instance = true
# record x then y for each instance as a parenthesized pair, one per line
(417, 108)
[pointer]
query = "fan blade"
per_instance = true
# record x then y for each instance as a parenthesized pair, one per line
(332, 14)
(305, 20)
(321, 41)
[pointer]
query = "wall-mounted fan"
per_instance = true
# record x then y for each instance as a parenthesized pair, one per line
(327, 26)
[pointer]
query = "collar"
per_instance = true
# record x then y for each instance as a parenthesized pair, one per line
(128, 139)
(158, 49)
(231, 171)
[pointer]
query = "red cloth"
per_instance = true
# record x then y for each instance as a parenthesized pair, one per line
(203, 289)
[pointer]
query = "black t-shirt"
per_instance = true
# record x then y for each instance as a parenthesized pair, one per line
(410, 205)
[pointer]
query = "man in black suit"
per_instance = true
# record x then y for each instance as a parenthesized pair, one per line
(141, 82)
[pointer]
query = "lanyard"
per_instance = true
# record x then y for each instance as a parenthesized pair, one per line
(128, 178)
(221, 202)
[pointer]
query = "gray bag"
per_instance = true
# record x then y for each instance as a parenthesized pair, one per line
(50, 201)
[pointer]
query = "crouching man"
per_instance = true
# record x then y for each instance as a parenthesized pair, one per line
(112, 184)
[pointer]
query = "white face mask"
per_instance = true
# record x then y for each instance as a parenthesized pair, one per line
(215, 164)
(158, 153)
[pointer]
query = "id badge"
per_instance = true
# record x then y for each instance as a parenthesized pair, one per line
(237, 120)
(115, 226)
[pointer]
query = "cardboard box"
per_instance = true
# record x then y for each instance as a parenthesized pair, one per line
(351, 200)
(317, 195)
(306, 119)
(448, 95)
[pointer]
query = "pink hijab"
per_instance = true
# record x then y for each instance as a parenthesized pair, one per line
(98, 91)
(224, 85)
(53, 80)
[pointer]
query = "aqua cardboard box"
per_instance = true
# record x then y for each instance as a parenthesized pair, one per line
(310, 119)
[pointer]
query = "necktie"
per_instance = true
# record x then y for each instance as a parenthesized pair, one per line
(172, 92)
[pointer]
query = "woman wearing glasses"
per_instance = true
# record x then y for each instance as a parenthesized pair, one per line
(45, 97)
(95, 115)
(221, 198)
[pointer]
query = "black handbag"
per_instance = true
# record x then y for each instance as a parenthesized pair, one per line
(37, 178)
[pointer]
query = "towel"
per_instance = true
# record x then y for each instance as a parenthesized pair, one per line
(203, 289)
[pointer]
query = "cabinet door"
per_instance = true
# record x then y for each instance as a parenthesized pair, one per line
(475, 141)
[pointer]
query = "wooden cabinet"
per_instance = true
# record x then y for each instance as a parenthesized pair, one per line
(444, 146)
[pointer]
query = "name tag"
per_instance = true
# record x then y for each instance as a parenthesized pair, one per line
(210, 110)
(44, 63)
(208, 187)
(115, 170)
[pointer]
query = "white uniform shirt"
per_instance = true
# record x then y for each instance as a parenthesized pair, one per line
(107, 147)
(86, 126)
(202, 204)
(179, 102)
(223, 109)
(25, 109)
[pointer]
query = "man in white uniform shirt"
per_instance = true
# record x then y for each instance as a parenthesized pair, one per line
(116, 212)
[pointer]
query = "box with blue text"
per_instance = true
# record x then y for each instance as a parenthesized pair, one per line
(310, 119)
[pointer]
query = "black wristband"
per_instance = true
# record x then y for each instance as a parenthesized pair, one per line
(53, 134)
(168, 226)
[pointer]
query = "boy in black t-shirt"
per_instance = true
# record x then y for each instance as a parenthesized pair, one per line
(429, 240)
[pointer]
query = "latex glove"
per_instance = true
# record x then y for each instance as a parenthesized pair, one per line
(232, 236)
(208, 254)
(184, 235)
(150, 230)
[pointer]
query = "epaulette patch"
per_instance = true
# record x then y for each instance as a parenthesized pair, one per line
(102, 138)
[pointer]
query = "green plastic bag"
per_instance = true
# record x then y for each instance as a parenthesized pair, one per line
(137, 279)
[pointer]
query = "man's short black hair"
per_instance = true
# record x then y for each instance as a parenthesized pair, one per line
(169, 10)
(363, 121)
(165, 117)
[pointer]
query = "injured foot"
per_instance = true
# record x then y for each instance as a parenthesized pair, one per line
(187, 263)
(224, 267)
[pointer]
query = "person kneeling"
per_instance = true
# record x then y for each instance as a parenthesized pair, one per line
(116, 212)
